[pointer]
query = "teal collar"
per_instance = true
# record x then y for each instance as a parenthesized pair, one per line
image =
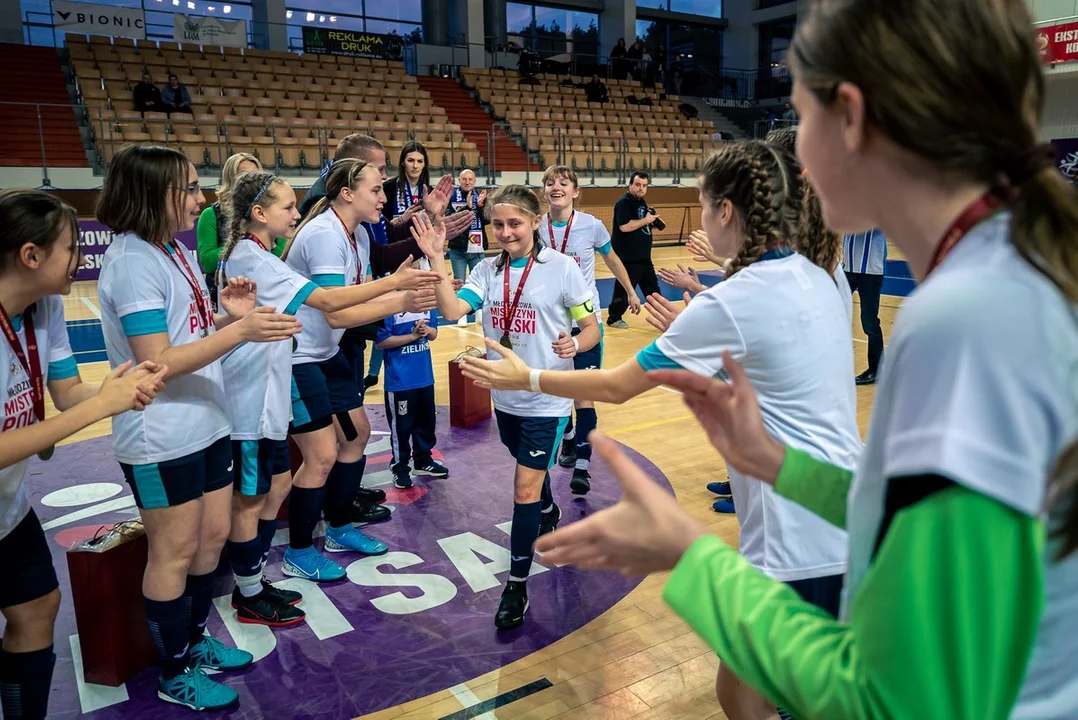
(518, 263)
(16, 322)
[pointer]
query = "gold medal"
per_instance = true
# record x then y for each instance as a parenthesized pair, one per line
(46, 454)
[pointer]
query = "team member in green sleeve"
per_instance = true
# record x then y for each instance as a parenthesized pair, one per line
(962, 590)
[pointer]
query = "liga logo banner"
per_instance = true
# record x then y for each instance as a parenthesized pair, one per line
(80, 17)
(1067, 155)
(351, 43)
(209, 31)
(94, 240)
(1058, 43)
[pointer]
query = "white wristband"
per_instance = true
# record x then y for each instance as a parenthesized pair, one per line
(533, 378)
(576, 343)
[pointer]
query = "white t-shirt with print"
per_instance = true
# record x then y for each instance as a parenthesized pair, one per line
(981, 387)
(785, 322)
(586, 235)
(57, 362)
(323, 253)
(191, 413)
(258, 376)
(554, 285)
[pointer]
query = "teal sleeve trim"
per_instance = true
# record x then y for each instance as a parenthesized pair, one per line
(146, 322)
(471, 298)
(300, 298)
(652, 358)
(63, 369)
(328, 280)
(603, 249)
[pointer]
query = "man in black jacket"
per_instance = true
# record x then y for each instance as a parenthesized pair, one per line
(632, 243)
(147, 97)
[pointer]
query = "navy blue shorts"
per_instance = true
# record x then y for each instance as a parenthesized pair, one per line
(823, 592)
(354, 348)
(187, 478)
(590, 359)
(533, 441)
(322, 390)
(28, 570)
(255, 462)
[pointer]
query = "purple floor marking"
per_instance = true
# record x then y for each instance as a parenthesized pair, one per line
(387, 659)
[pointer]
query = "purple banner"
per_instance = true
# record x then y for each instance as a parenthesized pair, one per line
(1067, 153)
(94, 240)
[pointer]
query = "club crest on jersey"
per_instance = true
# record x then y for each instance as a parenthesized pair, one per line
(16, 368)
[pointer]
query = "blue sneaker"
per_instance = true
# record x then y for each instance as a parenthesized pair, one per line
(194, 690)
(310, 564)
(211, 653)
(722, 489)
(725, 505)
(348, 539)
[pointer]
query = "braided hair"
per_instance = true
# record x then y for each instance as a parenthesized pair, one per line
(342, 174)
(249, 190)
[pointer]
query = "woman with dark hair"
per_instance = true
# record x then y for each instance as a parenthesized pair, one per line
(39, 254)
(177, 455)
(406, 191)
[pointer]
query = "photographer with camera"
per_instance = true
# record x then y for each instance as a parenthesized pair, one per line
(632, 243)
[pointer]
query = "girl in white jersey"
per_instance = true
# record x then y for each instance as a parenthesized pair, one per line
(962, 590)
(584, 238)
(532, 295)
(327, 404)
(262, 207)
(176, 455)
(38, 259)
(783, 318)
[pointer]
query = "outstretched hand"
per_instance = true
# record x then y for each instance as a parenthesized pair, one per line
(508, 373)
(437, 200)
(429, 236)
(662, 312)
(408, 278)
(238, 297)
(645, 532)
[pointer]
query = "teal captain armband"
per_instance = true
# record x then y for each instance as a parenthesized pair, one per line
(581, 311)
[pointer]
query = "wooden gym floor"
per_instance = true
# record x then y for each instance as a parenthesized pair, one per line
(638, 660)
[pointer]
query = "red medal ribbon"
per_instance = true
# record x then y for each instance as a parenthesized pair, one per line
(33, 367)
(204, 312)
(257, 241)
(568, 227)
(360, 271)
(511, 310)
(984, 207)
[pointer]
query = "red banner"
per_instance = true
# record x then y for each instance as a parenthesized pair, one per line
(1058, 43)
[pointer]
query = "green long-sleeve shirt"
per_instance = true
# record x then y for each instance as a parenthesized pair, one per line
(209, 248)
(943, 626)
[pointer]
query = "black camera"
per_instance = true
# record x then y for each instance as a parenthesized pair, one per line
(658, 220)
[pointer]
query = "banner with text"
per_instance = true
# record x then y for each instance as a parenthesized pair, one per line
(350, 43)
(94, 240)
(77, 17)
(1067, 153)
(1058, 43)
(190, 29)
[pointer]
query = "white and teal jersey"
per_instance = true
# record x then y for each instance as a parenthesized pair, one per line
(57, 363)
(785, 323)
(587, 236)
(259, 375)
(554, 285)
(325, 255)
(142, 292)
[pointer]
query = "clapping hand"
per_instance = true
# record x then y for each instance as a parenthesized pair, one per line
(409, 278)
(238, 297)
(662, 312)
(429, 236)
(564, 347)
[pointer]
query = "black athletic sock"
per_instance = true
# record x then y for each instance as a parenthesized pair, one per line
(341, 488)
(246, 561)
(25, 681)
(361, 467)
(526, 520)
(546, 501)
(304, 509)
(168, 621)
(266, 530)
(199, 592)
(568, 434)
(586, 420)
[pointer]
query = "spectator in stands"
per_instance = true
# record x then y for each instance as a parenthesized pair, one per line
(596, 90)
(634, 58)
(175, 96)
(466, 249)
(632, 243)
(789, 115)
(677, 73)
(660, 64)
(147, 97)
(411, 184)
(617, 60)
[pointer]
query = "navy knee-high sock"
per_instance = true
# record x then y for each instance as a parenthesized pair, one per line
(168, 621)
(546, 500)
(246, 561)
(266, 530)
(304, 509)
(526, 520)
(586, 420)
(360, 469)
(25, 681)
(199, 593)
(569, 430)
(341, 488)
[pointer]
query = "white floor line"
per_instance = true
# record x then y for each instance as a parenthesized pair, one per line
(458, 328)
(468, 699)
(93, 308)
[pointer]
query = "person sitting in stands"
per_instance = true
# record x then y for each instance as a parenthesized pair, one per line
(596, 90)
(147, 97)
(176, 97)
